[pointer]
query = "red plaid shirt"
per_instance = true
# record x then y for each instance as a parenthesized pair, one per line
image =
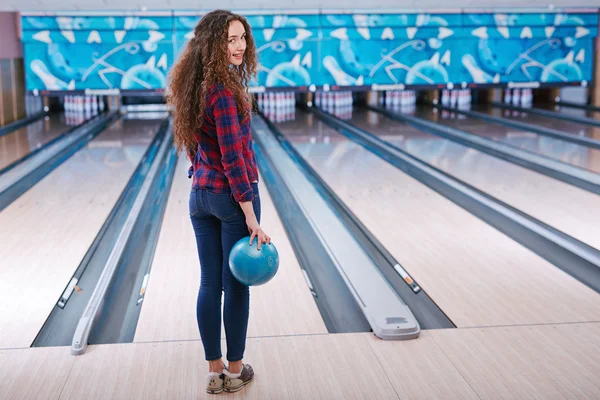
(225, 161)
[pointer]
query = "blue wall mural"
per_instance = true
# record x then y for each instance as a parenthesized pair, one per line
(297, 50)
(70, 53)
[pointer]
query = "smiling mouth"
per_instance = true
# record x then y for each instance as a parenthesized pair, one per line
(240, 55)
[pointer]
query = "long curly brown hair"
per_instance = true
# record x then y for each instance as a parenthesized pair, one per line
(202, 64)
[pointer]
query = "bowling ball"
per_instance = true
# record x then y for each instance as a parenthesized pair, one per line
(561, 70)
(295, 73)
(351, 59)
(496, 54)
(251, 266)
(149, 75)
(435, 73)
(435, 43)
(58, 65)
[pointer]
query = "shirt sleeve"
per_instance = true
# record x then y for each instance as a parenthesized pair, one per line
(230, 142)
(191, 158)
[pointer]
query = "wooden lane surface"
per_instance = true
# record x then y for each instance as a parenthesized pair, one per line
(477, 275)
(571, 127)
(45, 233)
(528, 362)
(567, 208)
(24, 140)
(284, 306)
(567, 152)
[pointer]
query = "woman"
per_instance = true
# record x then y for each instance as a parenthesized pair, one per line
(212, 123)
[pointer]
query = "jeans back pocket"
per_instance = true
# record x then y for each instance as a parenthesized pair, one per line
(222, 206)
(194, 202)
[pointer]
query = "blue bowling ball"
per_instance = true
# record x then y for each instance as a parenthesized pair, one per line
(251, 266)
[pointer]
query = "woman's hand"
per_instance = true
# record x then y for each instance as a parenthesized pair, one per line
(256, 232)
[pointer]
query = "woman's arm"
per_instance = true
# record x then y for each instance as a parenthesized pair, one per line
(230, 143)
(253, 226)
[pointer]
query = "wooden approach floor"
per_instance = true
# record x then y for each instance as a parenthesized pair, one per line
(524, 362)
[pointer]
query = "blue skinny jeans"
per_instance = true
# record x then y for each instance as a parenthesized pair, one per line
(219, 223)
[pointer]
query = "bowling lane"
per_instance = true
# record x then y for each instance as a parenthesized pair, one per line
(45, 233)
(24, 140)
(561, 150)
(284, 306)
(477, 275)
(571, 127)
(574, 111)
(569, 209)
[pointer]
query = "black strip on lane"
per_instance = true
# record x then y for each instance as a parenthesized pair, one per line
(59, 328)
(489, 210)
(338, 308)
(427, 313)
(550, 114)
(17, 189)
(576, 105)
(584, 181)
(119, 315)
(50, 143)
(580, 140)
(13, 126)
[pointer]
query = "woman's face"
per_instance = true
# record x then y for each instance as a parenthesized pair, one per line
(236, 42)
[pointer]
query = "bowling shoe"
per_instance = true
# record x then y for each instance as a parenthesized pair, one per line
(235, 382)
(215, 383)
